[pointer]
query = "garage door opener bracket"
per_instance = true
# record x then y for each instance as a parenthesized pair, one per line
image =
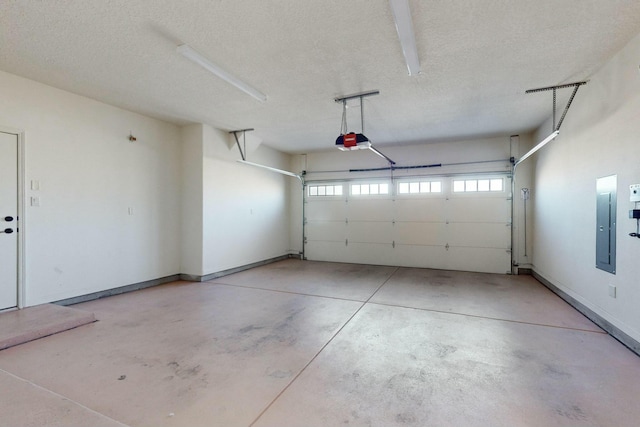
(349, 141)
(556, 127)
(575, 87)
(243, 154)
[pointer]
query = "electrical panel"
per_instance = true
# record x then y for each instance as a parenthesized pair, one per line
(634, 193)
(606, 202)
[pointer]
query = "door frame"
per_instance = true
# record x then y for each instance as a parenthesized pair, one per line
(19, 133)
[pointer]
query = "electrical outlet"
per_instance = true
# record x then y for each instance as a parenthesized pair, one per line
(612, 291)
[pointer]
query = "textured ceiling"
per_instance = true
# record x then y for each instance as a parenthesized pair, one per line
(477, 59)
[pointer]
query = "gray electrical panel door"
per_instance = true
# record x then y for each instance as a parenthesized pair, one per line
(606, 223)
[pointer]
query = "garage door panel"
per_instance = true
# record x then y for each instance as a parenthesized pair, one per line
(326, 210)
(478, 209)
(370, 210)
(326, 231)
(420, 256)
(457, 231)
(481, 235)
(424, 209)
(369, 231)
(370, 253)
(325, 251)
(479, 259)
(415, 233)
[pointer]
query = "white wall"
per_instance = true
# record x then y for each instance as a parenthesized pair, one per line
(297, 164)
(479, 150)
(191, 200)
(523, 179)
(600, 137)
(195, 209)
(245, 209)
(429, 153)
(81, 239)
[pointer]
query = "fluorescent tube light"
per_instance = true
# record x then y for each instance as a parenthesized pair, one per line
(404, 26)
(537, 147)
(193, 55)
(280, 171)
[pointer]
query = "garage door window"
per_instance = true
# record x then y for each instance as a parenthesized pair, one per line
(419, 187)
(476, 185)
(325, 190)
(369, 189)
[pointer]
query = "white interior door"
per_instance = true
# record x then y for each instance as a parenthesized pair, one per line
(8, 220)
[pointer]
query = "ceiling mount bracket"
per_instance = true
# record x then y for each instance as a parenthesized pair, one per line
(244, 140)
(344, 99)
(575, 87)
(357, 95)
(243, 154)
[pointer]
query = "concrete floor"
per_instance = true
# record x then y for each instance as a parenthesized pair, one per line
(321, 344)
(21, 326)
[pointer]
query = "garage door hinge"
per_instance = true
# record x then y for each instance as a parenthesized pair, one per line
(393, 244)
(509, 199)
(305, 240)
(508, 251)
(446, 246)
(346, 220)
(346, 242)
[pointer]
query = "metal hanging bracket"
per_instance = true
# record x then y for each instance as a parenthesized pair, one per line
(343, 127)
(243, 154)
(575, 87)
(357, 95)
(244, 137)
(344, 99)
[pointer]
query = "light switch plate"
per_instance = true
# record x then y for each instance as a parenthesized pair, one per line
(634, 193)
(612, 291)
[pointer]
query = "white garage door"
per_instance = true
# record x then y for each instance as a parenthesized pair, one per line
(454, 223)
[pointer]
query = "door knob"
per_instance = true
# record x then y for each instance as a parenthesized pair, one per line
(7, 231)
(8, 218)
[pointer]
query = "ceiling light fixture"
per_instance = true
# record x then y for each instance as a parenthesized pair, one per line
(404, 26)
(191, 54)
